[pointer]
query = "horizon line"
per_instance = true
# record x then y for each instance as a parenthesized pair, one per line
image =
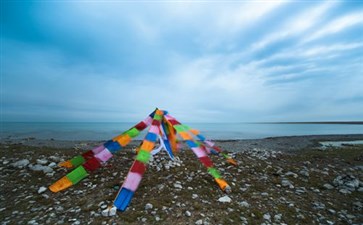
(278, 122)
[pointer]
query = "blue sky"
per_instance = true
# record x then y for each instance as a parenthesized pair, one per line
(203, 61)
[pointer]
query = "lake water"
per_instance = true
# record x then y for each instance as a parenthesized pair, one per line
(216, 131)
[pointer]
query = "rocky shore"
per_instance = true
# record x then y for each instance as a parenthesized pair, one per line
(285, 180)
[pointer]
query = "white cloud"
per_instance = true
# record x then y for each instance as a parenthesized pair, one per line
(325, 49)
(296, 25)
(336, 26)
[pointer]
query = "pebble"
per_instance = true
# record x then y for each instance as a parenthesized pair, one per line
(41, 190)
(225, 199)
(52, 164)
(37, 167)
(278, 217)
(328, 186)
(286, 183)
(148, 206)
(345, 191)
(178, 186)
(267, 216)
(318, 205)
(20, 164)
(244, 204)
(199, 222)
(188, 214)
(291, 174)
(305, 173)
(42, 161)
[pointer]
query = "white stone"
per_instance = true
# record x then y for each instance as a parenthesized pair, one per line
(291, 174)
(21, 163)
(278, 217)
(188, 214)
(112, 211)
(148, 206)
(244, 204)
(304, 173)
(225, 199)
(344, 191)
(52, 164)
(41, 190)
(267, 216)
(286, 183)
(199, 222)
(328, 186)
(194, 196)
(42, 161)
(37, 167)
(178, 186)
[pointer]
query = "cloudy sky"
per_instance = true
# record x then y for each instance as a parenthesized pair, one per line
(203, 61)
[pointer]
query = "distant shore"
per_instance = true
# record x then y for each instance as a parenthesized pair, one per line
(318, 122)
(283, 143)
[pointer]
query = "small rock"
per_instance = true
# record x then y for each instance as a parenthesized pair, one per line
(41, 190)
(178, 186)
(42, 161)
(194, 196)
(199, 222)
(286, 183)
(328, 186)
(357, 206)
(318, 205)
(148, 206)
(267, 216)
(37, 167)
(225, 199)
(344, 191)
(244, 204)
(305, 173)
(291, 174)
(278, 217)
(20, 164)
(188, 214)
(52, 164)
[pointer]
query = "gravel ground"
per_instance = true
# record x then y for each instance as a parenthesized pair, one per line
(283, 180)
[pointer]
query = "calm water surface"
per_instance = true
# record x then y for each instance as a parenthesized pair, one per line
(104, 131)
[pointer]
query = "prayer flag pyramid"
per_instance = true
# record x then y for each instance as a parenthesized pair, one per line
(161, 126)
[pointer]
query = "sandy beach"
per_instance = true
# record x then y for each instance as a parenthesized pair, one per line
(279, 180)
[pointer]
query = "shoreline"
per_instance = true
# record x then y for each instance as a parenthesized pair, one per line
(277, 143)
